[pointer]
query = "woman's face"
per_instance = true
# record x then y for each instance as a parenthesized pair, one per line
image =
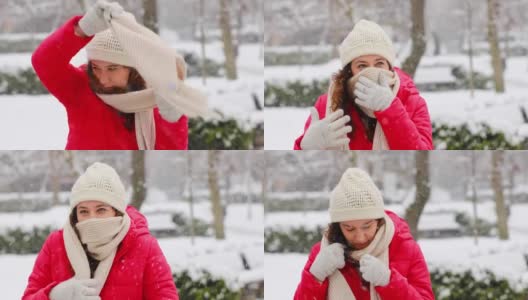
(94, 209)
(367, 61)
(110, 76)
(359, 233)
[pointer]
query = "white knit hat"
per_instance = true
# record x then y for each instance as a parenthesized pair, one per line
(355, 197)
(99, 182)
(105, 46)
(366, 38)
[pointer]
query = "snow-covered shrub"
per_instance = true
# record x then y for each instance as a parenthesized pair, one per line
(478, 137)
(480, 81)
(223, 134)
(294, 93)
(448, 285)
(303, 57)
(484, 227)
(203, 288)
(183, 226)
(22, 81)
(194, 65)
(297, 239)
(19, 241)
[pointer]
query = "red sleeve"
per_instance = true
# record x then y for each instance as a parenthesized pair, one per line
(40, 282)
(51, 61)
(158, 282)
(404, 131)
(310, 288)
(320, 105)
(417, 284)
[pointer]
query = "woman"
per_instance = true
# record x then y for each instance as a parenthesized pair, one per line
(370, 105)
(108, 103)
(104, 251)
(366, 252)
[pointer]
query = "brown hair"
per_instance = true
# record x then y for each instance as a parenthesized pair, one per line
(135, 83)
(334, 235)
(341, 99)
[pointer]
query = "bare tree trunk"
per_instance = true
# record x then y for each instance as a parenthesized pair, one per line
(191, 200)
(139, 190)
(70, 159)
(497, 158)
(418, 37)
(202, 41)
(496, 61)
(227, 38)
(54, 177)
(214, 192)
(469, 10)
(423, 191)
(150, 15)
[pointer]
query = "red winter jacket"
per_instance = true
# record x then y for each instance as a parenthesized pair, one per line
(405, 122)
(139, 271)
(410, 279)
(93, 124)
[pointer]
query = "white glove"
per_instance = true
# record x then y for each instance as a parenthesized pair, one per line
(97, 17)
(373, 95)
(328, 261)
(374, 270)
(166, 110)
(75, 289)
(329, 132)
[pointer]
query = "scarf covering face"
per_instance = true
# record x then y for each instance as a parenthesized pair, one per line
(157, 63)
(101, 236)
(142, 104)
(380, 141)
(338, 287)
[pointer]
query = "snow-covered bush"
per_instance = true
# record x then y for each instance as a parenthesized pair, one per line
(294, 93)
(203, 288)
(484, 227)
(22, 81)
(183, 226)
(303, 57)
(448, 285)
(297, 239)
(194, 65)
(19, 241)
(223, 134)
(478, 137)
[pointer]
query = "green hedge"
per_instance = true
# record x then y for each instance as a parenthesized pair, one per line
(22, 81)
(449, 285)
(295, 93)
(297, 239)
(183, 225)
(18, 241)
(223, 134)
(482, 137)
(204, 288)
(304, 57)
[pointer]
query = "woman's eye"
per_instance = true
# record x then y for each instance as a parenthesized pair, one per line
(82, 212)
(101, 210)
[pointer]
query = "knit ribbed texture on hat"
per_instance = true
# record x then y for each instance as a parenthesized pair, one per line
(366, 38)
(100, 182)
(355, 197)
(105, 46)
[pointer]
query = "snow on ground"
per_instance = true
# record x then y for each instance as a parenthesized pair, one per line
(40, 122)
(501, 111)
(504, 258)
(220, 258)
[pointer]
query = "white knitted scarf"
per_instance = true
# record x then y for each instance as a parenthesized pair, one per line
(380, 141)
(102, 236)
(141, 103)
(338, 288)
(157, 63)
